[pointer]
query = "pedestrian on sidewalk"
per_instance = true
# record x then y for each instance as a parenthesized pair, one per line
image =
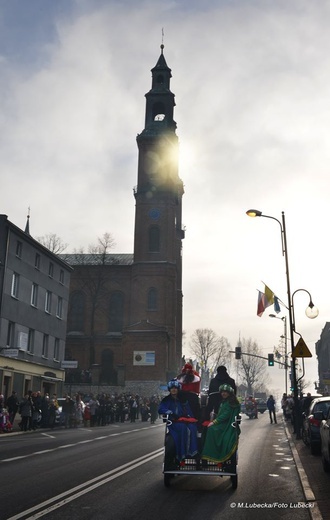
(271, 405)
(12, 406)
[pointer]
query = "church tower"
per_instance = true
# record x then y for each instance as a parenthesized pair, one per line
(154, 338)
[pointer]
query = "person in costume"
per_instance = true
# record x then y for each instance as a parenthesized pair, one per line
(222, 378)
(221, 437)
(191, 384)
(181, 441)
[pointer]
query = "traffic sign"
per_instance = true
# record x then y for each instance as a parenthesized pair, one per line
(301, 350)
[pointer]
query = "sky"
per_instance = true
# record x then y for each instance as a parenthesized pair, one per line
(251, 81)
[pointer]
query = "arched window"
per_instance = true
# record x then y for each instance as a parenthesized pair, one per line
(76, 312)
(158, 111)
(108, 373)
(154, 239)
(152, 299)
(116, 312)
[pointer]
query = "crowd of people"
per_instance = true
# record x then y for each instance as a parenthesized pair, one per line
(47, 411)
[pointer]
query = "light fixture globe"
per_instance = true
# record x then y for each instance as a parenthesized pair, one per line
(254, 213)
(312, 311)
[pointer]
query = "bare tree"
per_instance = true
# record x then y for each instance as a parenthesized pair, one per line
(251, 367)
(53, 242)
(209, 350)
(92, 279)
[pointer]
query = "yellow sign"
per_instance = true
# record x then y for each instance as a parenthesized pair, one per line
(301, 350)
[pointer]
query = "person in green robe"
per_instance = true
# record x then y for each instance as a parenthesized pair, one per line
(221, 437)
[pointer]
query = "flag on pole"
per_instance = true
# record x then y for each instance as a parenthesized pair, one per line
(265, 300)
(261, 303)
(277, 307)
(269, 295)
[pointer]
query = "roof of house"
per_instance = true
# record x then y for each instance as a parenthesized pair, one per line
(98, 259)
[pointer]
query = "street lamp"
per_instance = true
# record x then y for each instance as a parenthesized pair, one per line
(285, 348)
(311, 313)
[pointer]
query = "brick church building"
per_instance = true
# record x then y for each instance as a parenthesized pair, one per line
(125, 310)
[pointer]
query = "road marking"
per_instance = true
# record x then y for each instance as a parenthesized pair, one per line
(64, 446)
(12, 459)
(78, 491)
(48, 435)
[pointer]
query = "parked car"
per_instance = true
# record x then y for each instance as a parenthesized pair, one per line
(312, 419)
(261, 405)
(325, 442)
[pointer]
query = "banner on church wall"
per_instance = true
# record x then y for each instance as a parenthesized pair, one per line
(143, 358)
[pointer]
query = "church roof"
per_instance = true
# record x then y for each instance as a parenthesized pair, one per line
(98, 259)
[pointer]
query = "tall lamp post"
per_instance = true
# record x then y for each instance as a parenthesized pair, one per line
(283, 319)
(312, 314)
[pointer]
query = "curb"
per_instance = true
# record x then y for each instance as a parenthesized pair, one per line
(314, 512)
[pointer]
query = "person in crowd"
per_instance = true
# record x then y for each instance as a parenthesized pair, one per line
(45, 411)
(93, 407)
(52, 409)
(181, 441)
(132, 408)
(154, 403)
(214, 400)
(101, 410)
(36, 411)
(12, 406)
(25, 409)
(271, 405)
(78, 411)
(68, 412)
(221, 438)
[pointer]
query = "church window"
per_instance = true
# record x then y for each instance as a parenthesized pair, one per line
(158, 111)
(116, 312)
(76, 312)
(152, 299)
(154, 239)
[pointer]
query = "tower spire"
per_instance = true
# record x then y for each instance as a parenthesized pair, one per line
(27, 225)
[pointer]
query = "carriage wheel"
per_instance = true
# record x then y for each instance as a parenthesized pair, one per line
(233, 481)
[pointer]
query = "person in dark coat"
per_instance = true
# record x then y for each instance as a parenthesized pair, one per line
(12, 406)
(271, 409)
(222, 378)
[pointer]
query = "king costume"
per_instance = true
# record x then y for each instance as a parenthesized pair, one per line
(222, 438)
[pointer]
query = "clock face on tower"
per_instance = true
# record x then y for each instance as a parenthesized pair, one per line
(154, 214)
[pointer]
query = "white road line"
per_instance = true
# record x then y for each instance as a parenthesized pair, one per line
(90, 485)
(12, 459)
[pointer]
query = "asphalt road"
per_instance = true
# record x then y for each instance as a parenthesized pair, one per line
(115, 473)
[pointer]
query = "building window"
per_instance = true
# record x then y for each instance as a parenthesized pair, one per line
(57, 349)
(10, 334)
(45, 346)
(116, 312)
(34, 295)
(19, 249)
(37, 261)
(62, 276)
(14, 285)
(152, 299)
(154, 239)
(76, 314)
(48, 302)
(30, 347)
(51, 270)
(59, 307)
